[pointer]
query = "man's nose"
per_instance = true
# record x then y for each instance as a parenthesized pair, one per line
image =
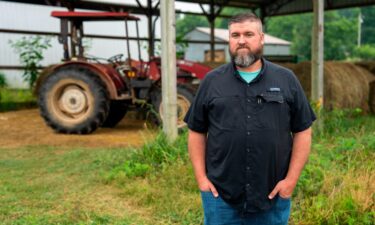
(241, 39)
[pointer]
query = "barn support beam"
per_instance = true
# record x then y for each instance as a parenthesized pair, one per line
(168, 69)
(317, 61)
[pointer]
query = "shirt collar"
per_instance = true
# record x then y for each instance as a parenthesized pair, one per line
(257, 78)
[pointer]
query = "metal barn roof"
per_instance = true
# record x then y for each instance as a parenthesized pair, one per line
(222, 34)
(266, 7)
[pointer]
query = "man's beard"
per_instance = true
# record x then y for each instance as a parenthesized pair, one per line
(246, 60)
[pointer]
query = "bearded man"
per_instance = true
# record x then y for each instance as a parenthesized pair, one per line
(249, 133)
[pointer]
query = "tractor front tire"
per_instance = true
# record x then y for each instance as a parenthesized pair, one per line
(73, 100)
(185, 97)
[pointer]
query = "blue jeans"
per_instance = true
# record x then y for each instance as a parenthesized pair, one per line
(218, 212)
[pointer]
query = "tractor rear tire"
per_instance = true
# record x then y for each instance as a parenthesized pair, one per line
(185, 97)
(73, 100)
(117, 111)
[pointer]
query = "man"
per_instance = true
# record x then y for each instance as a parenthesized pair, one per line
(249, 133)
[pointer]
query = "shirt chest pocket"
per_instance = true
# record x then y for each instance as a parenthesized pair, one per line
(271, 111)
(225, 112)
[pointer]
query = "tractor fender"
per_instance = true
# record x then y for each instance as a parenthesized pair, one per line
(107, 74)
(197, 70)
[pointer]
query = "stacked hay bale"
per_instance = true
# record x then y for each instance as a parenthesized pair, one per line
(346, 85)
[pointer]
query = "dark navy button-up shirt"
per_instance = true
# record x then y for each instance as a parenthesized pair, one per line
(249, 131)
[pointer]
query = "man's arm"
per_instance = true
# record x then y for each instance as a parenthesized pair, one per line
(197, 153)
(300, 153)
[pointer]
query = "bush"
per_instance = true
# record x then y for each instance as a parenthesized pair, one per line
(3, 82)
(30, 50)
(365, 52)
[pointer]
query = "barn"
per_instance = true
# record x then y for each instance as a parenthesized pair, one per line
(201, 52)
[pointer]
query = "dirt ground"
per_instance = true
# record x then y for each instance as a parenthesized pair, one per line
(27, 127)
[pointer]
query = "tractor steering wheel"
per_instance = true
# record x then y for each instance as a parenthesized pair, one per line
(115, 58)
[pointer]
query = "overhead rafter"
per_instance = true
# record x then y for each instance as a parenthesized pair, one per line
(266, 7)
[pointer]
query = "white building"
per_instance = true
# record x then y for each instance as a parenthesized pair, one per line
(196, 52)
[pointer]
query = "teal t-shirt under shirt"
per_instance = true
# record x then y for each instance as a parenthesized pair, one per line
(248, 76)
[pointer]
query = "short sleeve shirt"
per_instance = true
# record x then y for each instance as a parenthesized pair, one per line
(249, 130)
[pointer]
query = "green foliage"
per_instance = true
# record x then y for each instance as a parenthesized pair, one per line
(181, 47)
(30, 50)
(223, 22)
(340, 33)
(336, 186)
(365, 52)
(3, 82)
(188, 23)
(13, 99)
(151, 157)
(368, 28)
(335, 24)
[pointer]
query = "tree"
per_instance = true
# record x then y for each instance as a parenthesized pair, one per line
(340, 35)
(365, 52)
(30, 50)
(3, 81)
(368, 28)
(340, 30)
(188, 23)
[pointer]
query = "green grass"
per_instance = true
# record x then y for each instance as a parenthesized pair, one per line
(13, 99)
(155, 184)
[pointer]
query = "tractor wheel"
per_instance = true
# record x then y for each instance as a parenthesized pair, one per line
(73, 100)
(117, 111)
(185, 97)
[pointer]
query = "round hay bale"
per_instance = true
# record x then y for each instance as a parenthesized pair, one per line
(368, 65)
(345, 84)
(291, 66)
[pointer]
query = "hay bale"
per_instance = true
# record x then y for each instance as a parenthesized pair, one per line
(368, 65)
(345, 84)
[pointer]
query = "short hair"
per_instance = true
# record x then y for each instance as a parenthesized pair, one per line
(247, 16)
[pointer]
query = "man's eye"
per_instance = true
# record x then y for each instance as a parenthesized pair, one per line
(248, 34)
(235, 35)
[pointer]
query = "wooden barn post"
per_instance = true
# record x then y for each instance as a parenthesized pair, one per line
(317, 60)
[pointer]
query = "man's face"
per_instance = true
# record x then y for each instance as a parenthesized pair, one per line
(245, 43)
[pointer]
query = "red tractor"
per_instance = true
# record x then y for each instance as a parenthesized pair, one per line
(84, 93)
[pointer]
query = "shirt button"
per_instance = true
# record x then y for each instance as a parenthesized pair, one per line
(248, 116)
(247, 186)
(248, 100)
(248, 149)
(248, 168)
(248, 133)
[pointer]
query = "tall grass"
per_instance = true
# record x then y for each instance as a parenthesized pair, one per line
(154, 184)
(14, 99)
(336, 186)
